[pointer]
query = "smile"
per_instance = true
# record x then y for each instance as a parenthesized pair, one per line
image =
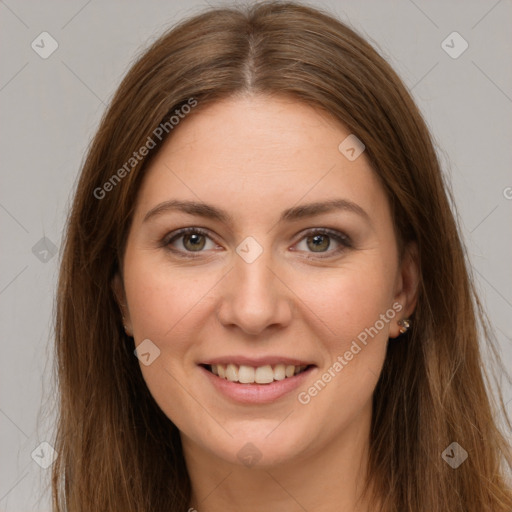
(265, 374)
(256, 380)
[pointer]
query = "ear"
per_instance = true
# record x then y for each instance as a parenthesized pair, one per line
(120, 295)
(406, 291)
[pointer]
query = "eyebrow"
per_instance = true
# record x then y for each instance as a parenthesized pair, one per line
(289, 215)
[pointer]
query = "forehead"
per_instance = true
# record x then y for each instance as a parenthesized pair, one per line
(255, 155)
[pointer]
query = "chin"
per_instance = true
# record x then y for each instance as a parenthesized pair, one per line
(259, 446)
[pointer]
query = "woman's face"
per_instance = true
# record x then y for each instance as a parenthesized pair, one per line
(269, 281)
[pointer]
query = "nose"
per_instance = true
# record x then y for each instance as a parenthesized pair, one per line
(254, 297)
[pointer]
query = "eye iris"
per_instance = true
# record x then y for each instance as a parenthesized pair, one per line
(319, 242)
(197, 241)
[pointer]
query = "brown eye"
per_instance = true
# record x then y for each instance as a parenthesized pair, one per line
(194, 242)
(318, 243)
(188, 240)
(324, 242)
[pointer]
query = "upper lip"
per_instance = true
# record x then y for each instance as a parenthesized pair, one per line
(256, 361)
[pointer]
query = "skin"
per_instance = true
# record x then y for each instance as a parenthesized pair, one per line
(255, 156)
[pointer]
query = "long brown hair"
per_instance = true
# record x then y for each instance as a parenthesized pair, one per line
(117, 449)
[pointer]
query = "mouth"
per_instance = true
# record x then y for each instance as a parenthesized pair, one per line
(265, 374)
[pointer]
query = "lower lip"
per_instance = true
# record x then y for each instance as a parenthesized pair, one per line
(257, 393)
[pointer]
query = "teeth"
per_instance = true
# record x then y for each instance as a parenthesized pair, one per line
(232, 373)
(279, 371)
(260, 375)
(264, 375)
(290, 370)
(246, 374)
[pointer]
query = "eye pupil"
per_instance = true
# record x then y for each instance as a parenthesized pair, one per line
(319, 242)
(197, 241)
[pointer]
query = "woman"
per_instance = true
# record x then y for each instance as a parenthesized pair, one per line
(264, 302)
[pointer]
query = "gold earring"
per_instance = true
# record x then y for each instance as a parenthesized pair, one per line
(404, 324)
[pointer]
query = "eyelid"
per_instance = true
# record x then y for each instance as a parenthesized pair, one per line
(339, 235)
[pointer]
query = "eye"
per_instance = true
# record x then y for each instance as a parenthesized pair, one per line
(320, 240)
(189, 240)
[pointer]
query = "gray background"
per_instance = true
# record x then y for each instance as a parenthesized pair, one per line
(50, 109)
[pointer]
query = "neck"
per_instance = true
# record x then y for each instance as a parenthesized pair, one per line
(325, 479)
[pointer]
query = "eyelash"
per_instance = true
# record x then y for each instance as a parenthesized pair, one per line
(342, 239)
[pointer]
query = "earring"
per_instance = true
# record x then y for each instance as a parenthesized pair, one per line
(404, 324)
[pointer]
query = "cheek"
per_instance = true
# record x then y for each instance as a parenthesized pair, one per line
(164, 300)
(356, 310)
(166, 307)
(349, 300)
